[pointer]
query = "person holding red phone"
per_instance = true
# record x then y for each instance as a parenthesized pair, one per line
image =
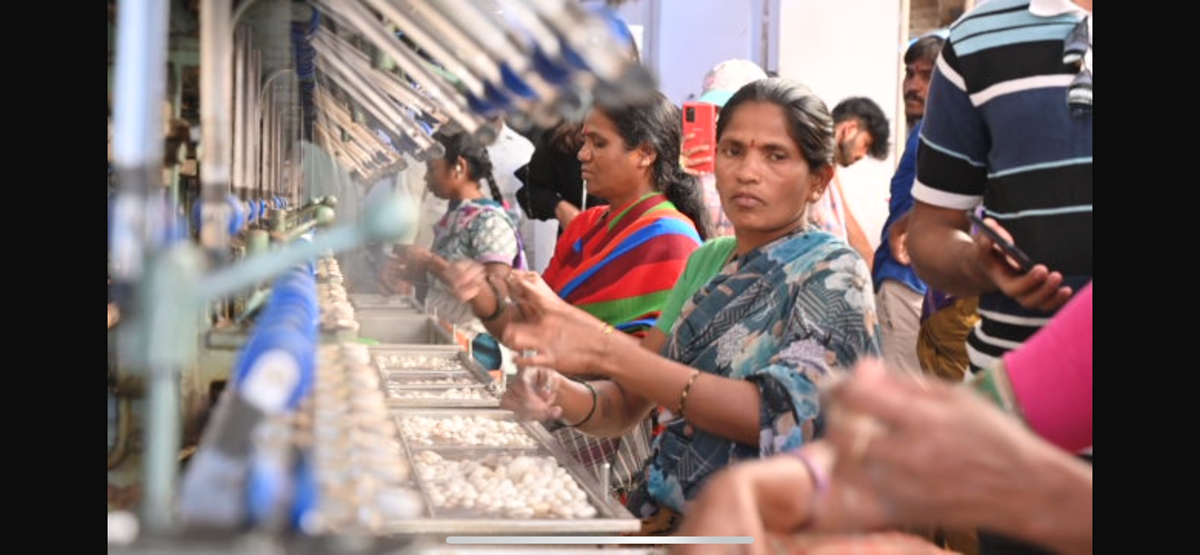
(696, 156)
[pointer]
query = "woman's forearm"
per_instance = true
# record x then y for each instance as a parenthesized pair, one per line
(613, 414)
(491, 305)
(565, 212)
(721, 406)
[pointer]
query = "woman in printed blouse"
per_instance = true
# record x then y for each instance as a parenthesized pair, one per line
(474, 228)
(617, 262)
(757, 322)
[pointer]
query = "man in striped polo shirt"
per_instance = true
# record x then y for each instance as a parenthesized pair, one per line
(999, 131)
(1008, 125)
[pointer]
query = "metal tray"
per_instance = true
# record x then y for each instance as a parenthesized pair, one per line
(470, 369)
(427, 380)
(611, 517)
(370, 301)
(403, 329)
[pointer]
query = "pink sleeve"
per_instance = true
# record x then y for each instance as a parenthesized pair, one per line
(1051, 375)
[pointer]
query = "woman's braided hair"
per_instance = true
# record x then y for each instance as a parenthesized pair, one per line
(459, 143)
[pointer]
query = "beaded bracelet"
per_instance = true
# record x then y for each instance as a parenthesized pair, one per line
(686, 390)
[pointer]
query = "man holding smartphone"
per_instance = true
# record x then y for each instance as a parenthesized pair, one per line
(1007, 125)
(1011, 137)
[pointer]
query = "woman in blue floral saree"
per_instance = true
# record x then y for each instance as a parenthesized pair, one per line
(753, 327)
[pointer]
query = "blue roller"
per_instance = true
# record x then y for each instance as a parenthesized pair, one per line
(237, 217)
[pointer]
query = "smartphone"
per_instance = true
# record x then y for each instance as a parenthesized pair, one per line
(700, 121)
(1024, 263)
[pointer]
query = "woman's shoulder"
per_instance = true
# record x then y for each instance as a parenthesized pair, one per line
(717, 247)
(485, 209)
(588, 218)
(819, 251)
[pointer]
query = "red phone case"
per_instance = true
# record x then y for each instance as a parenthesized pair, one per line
(700, 120)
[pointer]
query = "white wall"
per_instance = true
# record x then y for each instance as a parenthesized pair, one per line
(694, 35)
(849, 48)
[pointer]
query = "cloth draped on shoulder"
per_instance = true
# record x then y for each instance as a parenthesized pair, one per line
(620, 263)
(782, 316)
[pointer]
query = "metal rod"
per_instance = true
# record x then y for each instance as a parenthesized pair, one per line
(240, 103)
(256, 115)
(268, 143)
(435, 87)
(138, 154)
(215, 126)
(255, 269)
(450, 47)
(587, 36)
(370, 98)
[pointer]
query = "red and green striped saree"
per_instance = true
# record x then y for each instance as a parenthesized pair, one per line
(620, 263)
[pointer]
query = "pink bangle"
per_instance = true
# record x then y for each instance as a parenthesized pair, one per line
(820, 480)
(820, 485)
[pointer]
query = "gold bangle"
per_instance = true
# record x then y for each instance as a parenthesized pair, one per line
(686, 390)
(607, 329)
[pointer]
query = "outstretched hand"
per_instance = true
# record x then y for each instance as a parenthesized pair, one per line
(549, 332)
(466, 278)
(533, 394)
(406, 265)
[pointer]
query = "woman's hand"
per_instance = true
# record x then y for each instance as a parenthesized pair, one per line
(729, 504)
(550, 333)
(927, 452)
(532, 394)
(466, 278)
(774, 495)
(407, 264)
(391, 268)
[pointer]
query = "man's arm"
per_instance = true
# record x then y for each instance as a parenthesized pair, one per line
(565, 212)
(943, 253)
(898, 238)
